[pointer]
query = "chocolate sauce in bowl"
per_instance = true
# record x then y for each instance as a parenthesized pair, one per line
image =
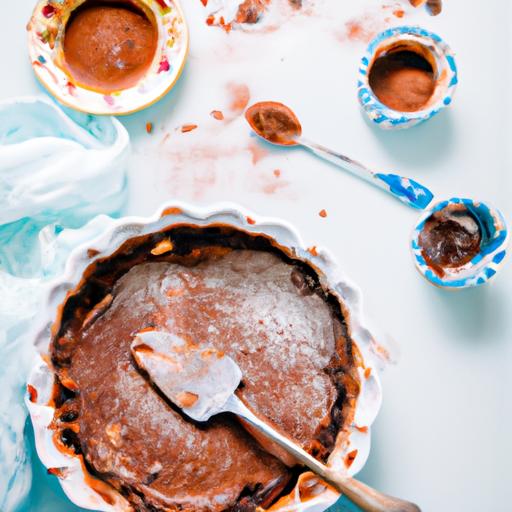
(451, 238)
(108, 45)
(403, 80)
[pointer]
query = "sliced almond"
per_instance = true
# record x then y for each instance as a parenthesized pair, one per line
(162, 247)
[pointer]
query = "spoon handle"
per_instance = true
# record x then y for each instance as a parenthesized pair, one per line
(407, 190)
(363, 496)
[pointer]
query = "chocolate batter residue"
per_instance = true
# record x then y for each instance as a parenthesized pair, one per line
(250, 11)
(274, 122)
(402, 80)
(109, 46)
(231, 290)
(451, 238)
(434, 7)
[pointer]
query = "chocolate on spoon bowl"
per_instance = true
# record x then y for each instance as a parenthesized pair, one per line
(251, 288)
(406, 77)
(460, 243)
(108, 57)
(277, 124)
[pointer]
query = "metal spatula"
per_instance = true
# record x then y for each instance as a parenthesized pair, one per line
(202, 382)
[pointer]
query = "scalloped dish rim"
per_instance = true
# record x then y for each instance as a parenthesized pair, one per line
(90, 493)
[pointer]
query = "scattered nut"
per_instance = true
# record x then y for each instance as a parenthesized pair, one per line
(162, 247)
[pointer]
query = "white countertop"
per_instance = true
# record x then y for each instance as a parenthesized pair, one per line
(443, 436)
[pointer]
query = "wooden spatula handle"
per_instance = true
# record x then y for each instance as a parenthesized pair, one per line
(360, 494)
(370, 500)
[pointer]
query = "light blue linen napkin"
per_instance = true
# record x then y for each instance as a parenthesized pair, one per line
(58, 170)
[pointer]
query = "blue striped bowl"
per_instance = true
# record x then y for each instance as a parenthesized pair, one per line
(484, 266)
(441, 57)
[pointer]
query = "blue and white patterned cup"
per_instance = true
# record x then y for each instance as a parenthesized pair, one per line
(484, 265)
(435, 51)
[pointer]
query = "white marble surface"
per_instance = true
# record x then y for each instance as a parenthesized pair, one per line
(443, 437)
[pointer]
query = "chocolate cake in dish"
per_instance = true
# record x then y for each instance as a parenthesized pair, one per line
(218, 285)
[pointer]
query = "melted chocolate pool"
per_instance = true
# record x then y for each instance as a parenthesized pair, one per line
(238, 293)
(450, 239)
(402, 80)
(109, 46)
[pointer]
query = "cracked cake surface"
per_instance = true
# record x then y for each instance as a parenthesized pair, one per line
(241, 296)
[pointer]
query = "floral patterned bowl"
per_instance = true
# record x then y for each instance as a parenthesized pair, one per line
(46, 31)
